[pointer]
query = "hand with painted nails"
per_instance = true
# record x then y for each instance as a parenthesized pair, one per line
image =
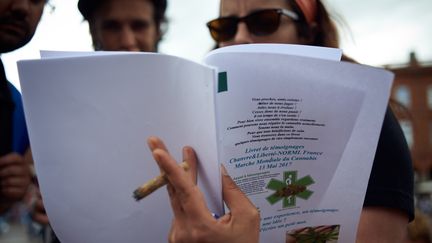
(193, 221)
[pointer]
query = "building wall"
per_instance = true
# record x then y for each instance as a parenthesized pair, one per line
(412, 93)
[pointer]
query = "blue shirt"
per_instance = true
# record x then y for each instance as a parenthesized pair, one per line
(20, 140)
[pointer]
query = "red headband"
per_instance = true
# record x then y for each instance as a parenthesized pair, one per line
(309, 8)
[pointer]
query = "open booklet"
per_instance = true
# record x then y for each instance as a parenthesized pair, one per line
(296, 129)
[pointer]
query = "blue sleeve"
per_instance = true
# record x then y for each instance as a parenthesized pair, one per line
(20, 140)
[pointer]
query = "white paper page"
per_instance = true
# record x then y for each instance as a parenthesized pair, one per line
(60, 54)
(334, 100)
(88, 121)
(288, 49)
(359, 154)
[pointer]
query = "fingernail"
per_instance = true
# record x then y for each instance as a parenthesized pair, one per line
(156, 156)
(224, 171)
(151, 142)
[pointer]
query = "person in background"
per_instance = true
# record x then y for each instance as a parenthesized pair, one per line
(124, 25)
(116, 25)
(18, 22)
(389, 202)
(420, 229)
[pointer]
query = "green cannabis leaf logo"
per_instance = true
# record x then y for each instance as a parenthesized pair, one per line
(289, 189)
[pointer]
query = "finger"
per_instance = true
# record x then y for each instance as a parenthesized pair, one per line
(15, 170)
(9, 159)
(174, 200)
(238, 203)
(172, 232)
(15, 181)
(175, 203)
(177, 176)
(14, 193)
(190, 157)
(38, 214)
(187, 193)
(156, 143)
(40, 218)
(39, 206)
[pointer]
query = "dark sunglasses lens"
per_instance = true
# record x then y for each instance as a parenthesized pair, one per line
(263, 22)
(223, 29)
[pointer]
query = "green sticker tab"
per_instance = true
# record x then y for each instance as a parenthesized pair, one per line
(222, 82)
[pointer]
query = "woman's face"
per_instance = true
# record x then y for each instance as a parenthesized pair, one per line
(286, 33)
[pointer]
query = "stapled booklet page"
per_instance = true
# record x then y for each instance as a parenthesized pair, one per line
(293, 125)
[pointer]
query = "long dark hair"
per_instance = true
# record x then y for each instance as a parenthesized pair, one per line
(321, 33)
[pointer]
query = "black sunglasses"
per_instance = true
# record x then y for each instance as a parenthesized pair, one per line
(259, 23)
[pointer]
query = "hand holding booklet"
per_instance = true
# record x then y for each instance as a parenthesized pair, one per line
(293, 126)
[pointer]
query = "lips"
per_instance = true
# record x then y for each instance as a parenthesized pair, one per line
(13, 27)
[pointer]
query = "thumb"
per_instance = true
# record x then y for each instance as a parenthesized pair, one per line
(234, 198)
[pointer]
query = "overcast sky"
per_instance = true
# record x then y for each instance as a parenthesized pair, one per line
(375, 32)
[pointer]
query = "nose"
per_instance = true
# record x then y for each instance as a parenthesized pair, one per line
(242, 35)
(127, 39)
(20, 7)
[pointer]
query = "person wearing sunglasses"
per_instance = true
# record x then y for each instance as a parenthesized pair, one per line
(259, 23)
(388, 205)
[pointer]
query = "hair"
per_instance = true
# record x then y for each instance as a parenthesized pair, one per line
(159, 14)
(323, 32)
